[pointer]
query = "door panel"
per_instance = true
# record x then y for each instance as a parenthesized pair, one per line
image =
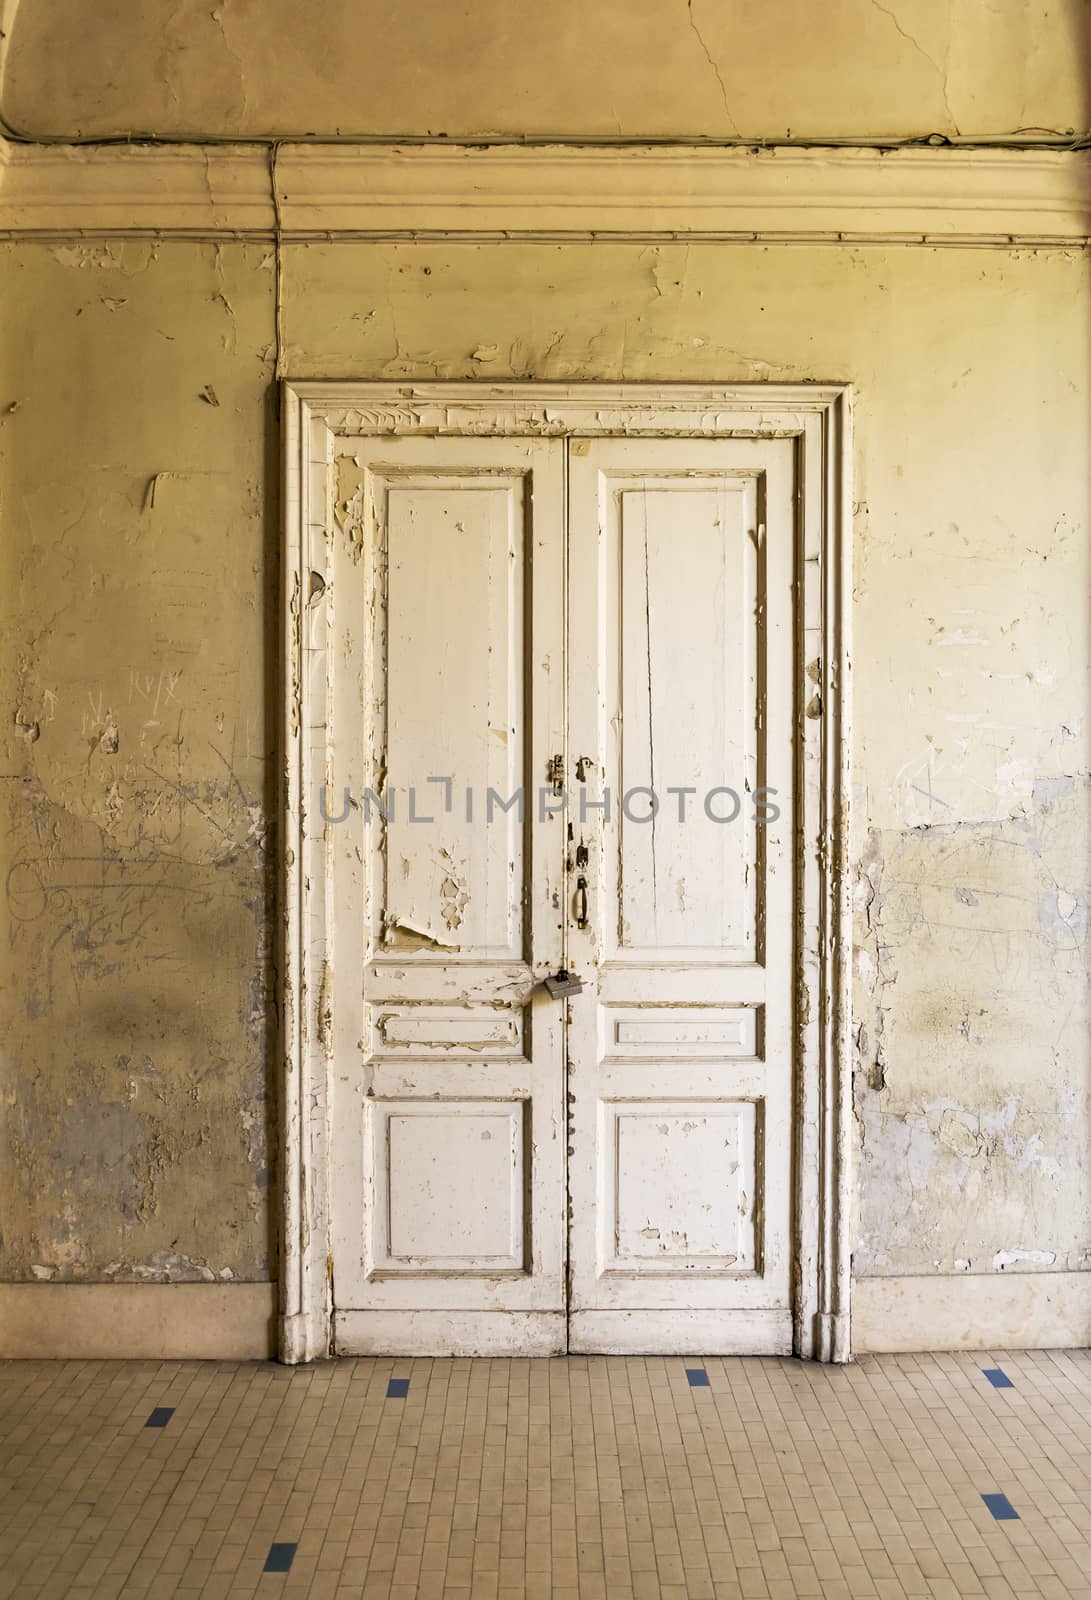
(454, 663)
(447, 1110)
(447, 1186)
(681, 567)
(689, 1161)
(681, 625)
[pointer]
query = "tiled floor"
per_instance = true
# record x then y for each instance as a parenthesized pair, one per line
(579, 1479)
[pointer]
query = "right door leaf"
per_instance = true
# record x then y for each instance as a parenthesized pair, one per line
(681, 651)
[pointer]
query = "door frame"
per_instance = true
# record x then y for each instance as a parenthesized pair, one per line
(819, 418)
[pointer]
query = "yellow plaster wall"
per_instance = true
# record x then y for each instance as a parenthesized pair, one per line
(139, 554)
(698, 68)
(137, 463)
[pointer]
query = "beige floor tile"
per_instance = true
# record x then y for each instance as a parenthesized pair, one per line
(585, 1479)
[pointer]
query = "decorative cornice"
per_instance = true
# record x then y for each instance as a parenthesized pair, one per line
(118, 189)
(933, 196)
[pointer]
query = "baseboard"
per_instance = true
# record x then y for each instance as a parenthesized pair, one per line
(138, 1321)
(966, 1311)
(237, 1322)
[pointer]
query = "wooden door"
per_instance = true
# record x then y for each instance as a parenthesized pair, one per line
(681, 566)
(466, 1216)
(448, 1060)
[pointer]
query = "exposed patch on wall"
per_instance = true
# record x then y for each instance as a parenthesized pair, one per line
(972, 1016)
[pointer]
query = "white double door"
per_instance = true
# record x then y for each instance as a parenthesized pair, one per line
(563, 742)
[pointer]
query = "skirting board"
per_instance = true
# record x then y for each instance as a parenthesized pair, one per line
(236, 1322)
(138, 1321)
(1004, 1311)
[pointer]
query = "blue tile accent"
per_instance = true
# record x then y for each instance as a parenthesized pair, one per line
(998, 1378)
(698, 1378)
(280, 1557)
(1001, 1507)
(160, 1417)
(397, 1389)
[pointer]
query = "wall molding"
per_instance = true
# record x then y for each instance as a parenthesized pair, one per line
(952, 196)
(138, 1321)
(972, 1311)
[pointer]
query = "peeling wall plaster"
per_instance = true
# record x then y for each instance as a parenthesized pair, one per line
(137, 697)
(971, 1032)
(140, 699)
(698, 68)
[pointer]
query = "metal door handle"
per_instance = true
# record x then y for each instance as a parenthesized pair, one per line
(581, 902)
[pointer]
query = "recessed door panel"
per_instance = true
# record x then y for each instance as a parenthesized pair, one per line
(681, 1032)
(452, 713)
(680, 1186)
(446, 1180)
(683, 630)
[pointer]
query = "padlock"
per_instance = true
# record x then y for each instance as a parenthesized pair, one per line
(563, 983)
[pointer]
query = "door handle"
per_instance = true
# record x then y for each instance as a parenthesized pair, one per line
(581, 902)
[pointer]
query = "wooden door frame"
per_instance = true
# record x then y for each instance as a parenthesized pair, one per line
(819, 418)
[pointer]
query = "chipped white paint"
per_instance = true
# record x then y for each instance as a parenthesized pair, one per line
(444, 1155)
(1003, 1259)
